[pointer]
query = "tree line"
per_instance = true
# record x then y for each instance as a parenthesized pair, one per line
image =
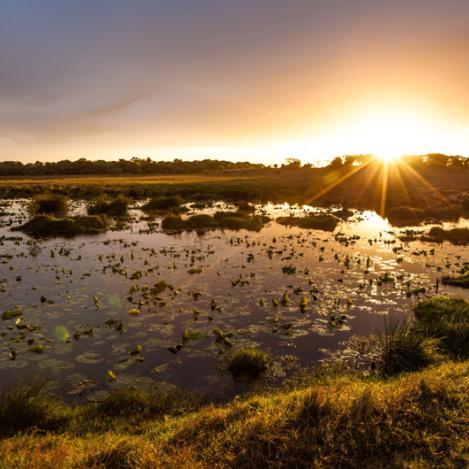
(146, 166)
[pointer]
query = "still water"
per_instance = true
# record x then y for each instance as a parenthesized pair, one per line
(154, 307)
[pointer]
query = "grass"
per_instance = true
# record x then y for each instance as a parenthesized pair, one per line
(446, 319)
(456, 280)
(49, 204)
(405, 215)
(222, 220)
(164, 203)
(402, 348)
(414, 420)
(248, 363)
(115, 207)
(455, 235)
(322, 222)
(46, 226)
(413, 414)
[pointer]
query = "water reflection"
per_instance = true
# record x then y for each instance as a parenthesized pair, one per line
(294, 292)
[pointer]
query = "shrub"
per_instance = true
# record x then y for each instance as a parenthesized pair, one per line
(446, 319)
(50, 204)
(248, 363)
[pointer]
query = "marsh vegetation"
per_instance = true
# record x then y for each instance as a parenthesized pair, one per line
(146, 315)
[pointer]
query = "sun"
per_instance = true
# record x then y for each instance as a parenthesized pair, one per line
(388, 157)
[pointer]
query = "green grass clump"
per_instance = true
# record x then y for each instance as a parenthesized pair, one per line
(456, 280)
(164, 203)
(30, 406)
(49, 204)
(404, 215)
(322, 222)
(221, 220)
(248, 363)
(402, 348)
(46, 226)
(143, 404)
(446, 319)
(115, 207)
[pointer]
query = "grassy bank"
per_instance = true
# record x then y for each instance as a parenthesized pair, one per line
(411, 409)
(415, 420)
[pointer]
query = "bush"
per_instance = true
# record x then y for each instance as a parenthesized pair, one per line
(248, 363)
(50, 204)
(446, 319)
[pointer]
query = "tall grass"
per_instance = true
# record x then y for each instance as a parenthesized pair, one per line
(402, 348)
(49, 204)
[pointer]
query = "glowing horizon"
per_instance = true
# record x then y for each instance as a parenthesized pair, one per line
(311, 80)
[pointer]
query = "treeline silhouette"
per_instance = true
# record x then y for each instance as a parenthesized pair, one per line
(146, 166)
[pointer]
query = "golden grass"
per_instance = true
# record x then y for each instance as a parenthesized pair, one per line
(121, 180)
(415, 420)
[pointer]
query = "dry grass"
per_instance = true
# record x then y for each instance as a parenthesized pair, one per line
(415, 420)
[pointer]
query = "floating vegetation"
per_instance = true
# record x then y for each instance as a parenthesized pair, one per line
(148, 305)
(324, 222)
(46, 226)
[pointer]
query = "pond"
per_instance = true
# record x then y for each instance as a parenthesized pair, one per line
(138, 306)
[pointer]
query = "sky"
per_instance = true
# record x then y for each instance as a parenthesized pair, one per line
(256, 80)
